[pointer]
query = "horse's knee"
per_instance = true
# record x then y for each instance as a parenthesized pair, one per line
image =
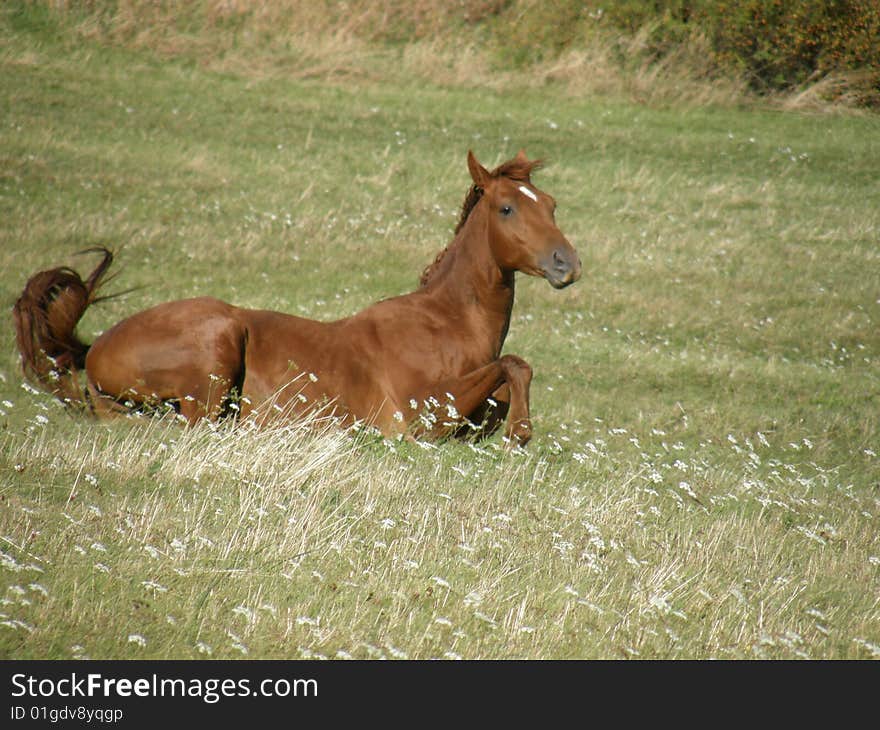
(516, 369)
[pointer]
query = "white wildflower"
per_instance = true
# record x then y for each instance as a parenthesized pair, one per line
(152, 585)
(396, 653)
(870, 646)
(486, 619)
(17, 624)
(8, 562)
(473, 599)
(246, 612)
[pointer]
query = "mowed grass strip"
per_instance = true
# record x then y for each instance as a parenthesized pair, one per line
(703, 480)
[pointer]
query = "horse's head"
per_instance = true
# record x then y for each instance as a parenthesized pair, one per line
(522, 230)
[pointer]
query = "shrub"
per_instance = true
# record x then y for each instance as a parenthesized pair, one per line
(782, 44)
(777, 45)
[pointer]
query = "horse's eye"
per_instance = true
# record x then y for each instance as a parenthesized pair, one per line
(506, 210)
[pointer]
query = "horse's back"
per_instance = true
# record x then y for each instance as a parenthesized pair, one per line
(168, 323)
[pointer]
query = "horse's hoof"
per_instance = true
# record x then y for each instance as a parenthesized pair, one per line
(519, 433)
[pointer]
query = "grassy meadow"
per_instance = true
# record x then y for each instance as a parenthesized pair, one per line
(704, 480)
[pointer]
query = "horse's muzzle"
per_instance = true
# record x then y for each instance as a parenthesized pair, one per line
(562, 268)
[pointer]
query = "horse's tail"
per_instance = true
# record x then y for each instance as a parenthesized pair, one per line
(45, 317)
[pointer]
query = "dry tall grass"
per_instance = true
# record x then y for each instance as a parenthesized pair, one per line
(461, 44)
(154, 541)
(678, 78)
(440, 43)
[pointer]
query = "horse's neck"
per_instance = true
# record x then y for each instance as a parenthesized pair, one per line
(471, 284)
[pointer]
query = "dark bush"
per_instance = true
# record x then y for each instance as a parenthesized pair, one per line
(777, 45)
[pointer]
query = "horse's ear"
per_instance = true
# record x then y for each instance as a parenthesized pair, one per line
(479, 173)
(521, 157)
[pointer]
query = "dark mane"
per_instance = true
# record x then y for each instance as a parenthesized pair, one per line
(518, 169)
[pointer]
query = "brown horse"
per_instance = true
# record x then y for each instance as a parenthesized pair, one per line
(427, 363)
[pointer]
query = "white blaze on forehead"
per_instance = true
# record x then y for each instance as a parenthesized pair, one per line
(528, 193)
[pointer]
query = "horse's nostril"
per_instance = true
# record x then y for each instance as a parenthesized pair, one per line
(560, 266)
(559, 262)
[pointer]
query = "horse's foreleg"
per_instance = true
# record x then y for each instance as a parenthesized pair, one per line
(507, 377)
(519, 379)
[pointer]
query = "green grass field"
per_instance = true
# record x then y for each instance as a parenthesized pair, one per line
(704, 480)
